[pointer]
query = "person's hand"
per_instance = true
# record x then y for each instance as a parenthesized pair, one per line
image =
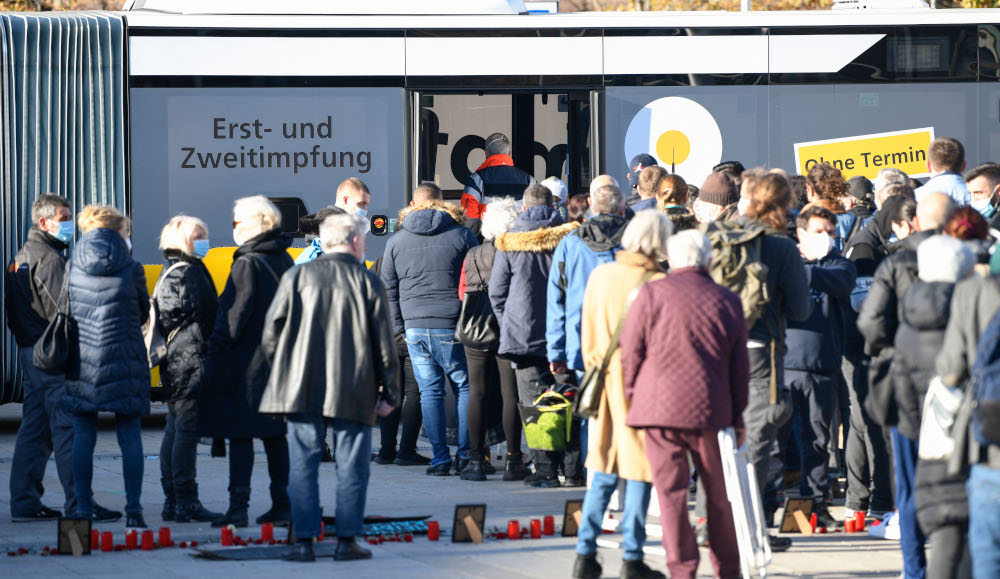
(384, 408)
(741, 436)
(558, 367)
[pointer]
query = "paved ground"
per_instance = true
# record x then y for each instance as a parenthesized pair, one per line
(394, 491)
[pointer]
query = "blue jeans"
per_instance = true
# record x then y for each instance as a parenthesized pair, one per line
(436, 354)
(984, 521)
(129, 430)
(45, 429)
(595, 502)
(352, 448)
(911, 538)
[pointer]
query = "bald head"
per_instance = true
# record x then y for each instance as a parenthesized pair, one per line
(933, 211)
(427, 191)
(601, 181)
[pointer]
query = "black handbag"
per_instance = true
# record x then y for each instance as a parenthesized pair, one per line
(55, 348)
(477, 325)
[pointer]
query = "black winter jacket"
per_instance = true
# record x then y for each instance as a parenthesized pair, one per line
(422, 264)
(520, 277)
(187, 304)
(923, 319)
(942, 499)
(237, 367)
(32, 287)
(817, 344)
(109, 301)
(329, 343)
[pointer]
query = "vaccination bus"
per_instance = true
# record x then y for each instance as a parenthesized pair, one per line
(182, 106)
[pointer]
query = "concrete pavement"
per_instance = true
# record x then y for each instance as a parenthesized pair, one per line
(394, 491)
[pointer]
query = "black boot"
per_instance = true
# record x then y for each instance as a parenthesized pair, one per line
(189, 508)
(302, 552)
(514, 468)
(587, 567)
(639, 570)
(349, 550)
(475, 469)
(169, 499)
(281, 508)
(239, 502)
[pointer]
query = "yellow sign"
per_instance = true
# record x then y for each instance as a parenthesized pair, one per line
(868, 154)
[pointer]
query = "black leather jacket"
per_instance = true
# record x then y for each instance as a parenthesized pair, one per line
(330, 343)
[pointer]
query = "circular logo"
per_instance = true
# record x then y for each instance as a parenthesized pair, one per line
(680, 133)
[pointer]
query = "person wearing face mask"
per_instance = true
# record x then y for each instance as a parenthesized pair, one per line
(353, 197)
(748, 182)
(187, 303)
(237, 369)
(107, 297)
(813, 358)
(984, 186)
(717, 198)
(33, 282)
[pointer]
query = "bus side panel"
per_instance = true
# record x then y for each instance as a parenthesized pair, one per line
(196, 150)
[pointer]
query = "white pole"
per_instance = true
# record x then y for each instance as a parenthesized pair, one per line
(745, 6)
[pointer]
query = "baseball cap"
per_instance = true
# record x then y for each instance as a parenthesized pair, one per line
(638, 163)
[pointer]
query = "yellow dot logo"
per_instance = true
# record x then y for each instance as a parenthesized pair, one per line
(680, 133)
(673, 147)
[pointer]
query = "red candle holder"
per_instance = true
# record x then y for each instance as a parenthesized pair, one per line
(107, 541)
(147, 540)
(514, 530)
(227, 537)
(549, 525)
(848, 525)
(95, 540)
(536, 529)
(267, 531)
(322, 530)
(433, 531)
(131, 540)
(165, 537)
(859, 521)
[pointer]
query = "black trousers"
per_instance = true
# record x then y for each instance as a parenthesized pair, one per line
(763, 419)
(491, 382)
(869, 467)
(241, 464)
(408, 416)
(179, 450)
(528, 371)
(949, 557)
(814, 399)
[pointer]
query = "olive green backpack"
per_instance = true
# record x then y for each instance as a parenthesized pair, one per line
(736, 264)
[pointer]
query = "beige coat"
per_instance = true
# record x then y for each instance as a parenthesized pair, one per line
(613, 447)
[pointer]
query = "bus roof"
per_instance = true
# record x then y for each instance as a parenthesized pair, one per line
(315, 7)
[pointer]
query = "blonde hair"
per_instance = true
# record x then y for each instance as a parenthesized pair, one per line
(177, 233)
(256, 214)
(102, 216)
(647, 234)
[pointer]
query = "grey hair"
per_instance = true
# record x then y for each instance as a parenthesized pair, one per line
(256, 215)
(501, 214)
(689, 248)
(601, 181)
(341, 229)
(177, 233)
(607, 199)
(536, 195)
(46, 206)
(888, 176)
(943, 258)
(647, 234)
(497, 144)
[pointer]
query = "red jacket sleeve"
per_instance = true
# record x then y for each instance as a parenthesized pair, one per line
(461, 283)
(472, 207)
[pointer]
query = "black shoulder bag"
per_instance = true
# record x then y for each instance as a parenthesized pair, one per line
(54, 349)
(477, 325)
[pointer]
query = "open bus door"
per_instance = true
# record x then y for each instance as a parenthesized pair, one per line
(552, 134)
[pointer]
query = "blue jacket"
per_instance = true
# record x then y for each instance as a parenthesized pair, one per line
(109, 301)
(644, 204)
(951, 184)
(519, 277)
(817, 344)
(422, 264)
(578, 254)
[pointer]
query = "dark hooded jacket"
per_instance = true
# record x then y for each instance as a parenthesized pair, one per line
(32, 286)
(519, 278)
(237, 366)
(923, 319)
(680, 217)
(577, 255)
(817, 344)
(866, 248)
(109, 301)
(187, 304)
(422, 264)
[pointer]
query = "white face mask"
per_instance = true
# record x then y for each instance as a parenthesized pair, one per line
(816, 245)
(743, 205)
(128, 243)
(238, 238)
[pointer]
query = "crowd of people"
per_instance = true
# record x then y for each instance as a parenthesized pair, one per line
(800, 311)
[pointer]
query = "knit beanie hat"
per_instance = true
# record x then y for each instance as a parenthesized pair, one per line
(719, 189)
(944, 258)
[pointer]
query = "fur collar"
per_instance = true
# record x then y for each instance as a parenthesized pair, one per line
(455, 211)
(537, 241)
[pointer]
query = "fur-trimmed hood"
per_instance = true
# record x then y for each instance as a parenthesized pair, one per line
(537, 241)
(430, 217)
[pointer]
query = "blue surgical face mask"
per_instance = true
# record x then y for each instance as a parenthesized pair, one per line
(65, 233)
(201, 247)
(985, 207)
(362, 213)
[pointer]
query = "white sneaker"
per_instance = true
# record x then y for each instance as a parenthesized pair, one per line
(888, 529)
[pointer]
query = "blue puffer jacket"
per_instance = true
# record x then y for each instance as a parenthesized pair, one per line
(578, 254)
(422, 264)
(109, 301)
(817, 344)
(520, 274)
